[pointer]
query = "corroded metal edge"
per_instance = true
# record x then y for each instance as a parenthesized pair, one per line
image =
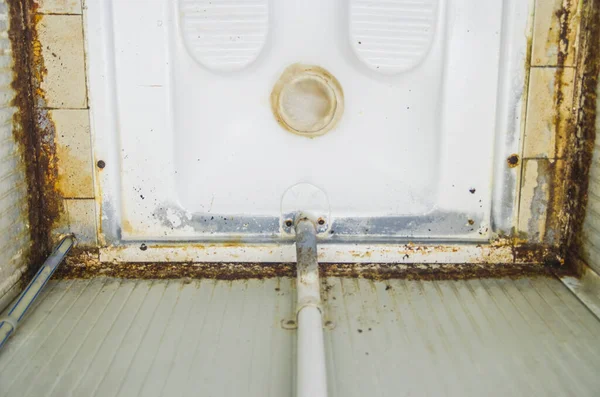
(85, 264)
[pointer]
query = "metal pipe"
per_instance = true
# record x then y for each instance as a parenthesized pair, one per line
(312, 376)
(9, 323)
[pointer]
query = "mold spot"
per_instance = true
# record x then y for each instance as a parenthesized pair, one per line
(513, 160)
(307, 100)
(472, 190)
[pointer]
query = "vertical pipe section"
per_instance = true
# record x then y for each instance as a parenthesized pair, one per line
(8, 324)
(312, 376)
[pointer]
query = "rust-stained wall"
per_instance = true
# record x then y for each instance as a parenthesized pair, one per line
(56, 110)
(15, 237)
(41, 168)
(586, 240)
(558, 133)
(33, 131)
(59, 26)
(549, 115)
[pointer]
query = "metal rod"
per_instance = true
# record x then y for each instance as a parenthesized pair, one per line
(312, 376)
(9, 323)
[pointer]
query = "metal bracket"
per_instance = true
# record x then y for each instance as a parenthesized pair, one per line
(289, 220)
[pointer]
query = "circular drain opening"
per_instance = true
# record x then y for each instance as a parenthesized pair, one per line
(307, 100)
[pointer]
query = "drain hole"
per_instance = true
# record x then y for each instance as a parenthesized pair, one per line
(307, 104)
(307, 100)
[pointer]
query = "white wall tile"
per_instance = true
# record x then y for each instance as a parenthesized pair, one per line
(541, 128)
(62, 50)
(74, 153)
(58, 6)
(82, 220)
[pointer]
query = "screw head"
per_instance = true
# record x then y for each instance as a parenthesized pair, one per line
(513, 160)
(289, 223)
(101, 164)
(321, 221)
(143, 247)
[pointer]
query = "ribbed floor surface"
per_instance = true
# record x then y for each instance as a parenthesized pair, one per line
(220, 338)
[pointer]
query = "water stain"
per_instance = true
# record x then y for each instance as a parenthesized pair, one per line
(307, 100)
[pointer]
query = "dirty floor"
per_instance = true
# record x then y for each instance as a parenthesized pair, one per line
(110, 337)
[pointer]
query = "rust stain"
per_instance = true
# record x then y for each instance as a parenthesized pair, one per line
(184, 248)
(126, 227)
(538, 253)
(581, 141)
(436, 272)
(359, 254)
(409, 249)
(314, 82)
(513, 160)
(86, 264)
(74, 178)
(562, 38)
(83, 264)
(566, 177)
(33, 129)
(563, 102)
(235, 241)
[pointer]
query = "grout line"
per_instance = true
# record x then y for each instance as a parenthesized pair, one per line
(60, 14)
(64, 108)
(78, 198)
(543, 158)
(85, 65)
(552, 67)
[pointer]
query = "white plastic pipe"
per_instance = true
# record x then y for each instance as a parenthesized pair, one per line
(312, 377)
